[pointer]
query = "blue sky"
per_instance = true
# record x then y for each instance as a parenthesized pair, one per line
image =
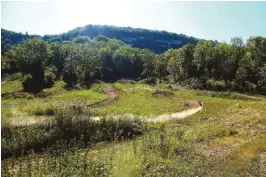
(207, 20)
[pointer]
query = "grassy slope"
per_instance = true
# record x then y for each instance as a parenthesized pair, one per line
(133, 99)
(20, 108)
(227, 138)
(137, 99)
(11, 86)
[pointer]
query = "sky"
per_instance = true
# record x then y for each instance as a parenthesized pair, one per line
(206, 20)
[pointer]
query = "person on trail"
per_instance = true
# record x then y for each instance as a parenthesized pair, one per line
(200, 103)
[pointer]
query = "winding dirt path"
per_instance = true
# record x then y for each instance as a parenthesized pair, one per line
(177, 115)
(159, 118)
(113, 96)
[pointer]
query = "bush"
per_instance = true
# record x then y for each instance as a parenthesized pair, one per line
(251, 87)
(72, 123)
(216, 84)
(214, 94)
(13, 77)
(49, 77)
(17, 95)
(70, 79)
(125, 81)
(194, 83)
(98, 88)
(45, 110)
(32, 84)
(165, 93)
(151, 80)
(78, 87)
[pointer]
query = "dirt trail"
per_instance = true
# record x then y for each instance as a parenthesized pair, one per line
(177, 115)
(159, 118)
(112, 96)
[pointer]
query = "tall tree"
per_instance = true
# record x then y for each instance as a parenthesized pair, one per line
(31, 58)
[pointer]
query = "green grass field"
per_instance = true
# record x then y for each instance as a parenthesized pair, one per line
(137, 99)
(226, 138)
(22, 108)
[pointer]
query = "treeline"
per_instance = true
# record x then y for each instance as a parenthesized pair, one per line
(207, 65)
(156, 41)
(9, 38)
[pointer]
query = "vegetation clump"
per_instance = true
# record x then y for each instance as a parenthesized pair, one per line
(163, 93)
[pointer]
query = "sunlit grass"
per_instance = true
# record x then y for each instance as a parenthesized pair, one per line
(138, 100)
(57, 87)
(22, 108)
(11, 86)
(226, 138)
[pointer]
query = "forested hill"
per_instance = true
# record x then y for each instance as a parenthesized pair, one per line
(9, 38)
(156, 41)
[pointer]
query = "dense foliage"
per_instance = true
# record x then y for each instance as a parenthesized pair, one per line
(207, 65)
(9, 38)
(156, 41)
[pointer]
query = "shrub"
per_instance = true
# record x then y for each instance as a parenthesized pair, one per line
(45, 110)
(250, 87)
(163, 93)
(72, 123)
(49, 77)
(70, 79)
(13, 77)
(17, 95)
(32, 84)
(150, 80)
(98, 88)
(216, 84)
(194, 83)
(78, 87)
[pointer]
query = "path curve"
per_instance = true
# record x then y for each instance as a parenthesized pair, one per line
(159, 118)
(112, 96)
(177, 115)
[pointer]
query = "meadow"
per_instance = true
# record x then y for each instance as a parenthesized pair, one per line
(226, 138)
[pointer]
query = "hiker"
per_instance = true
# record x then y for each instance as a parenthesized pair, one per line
(200, 103)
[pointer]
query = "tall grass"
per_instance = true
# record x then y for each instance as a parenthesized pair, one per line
(157, 153)
(227, 138)
(71, 122)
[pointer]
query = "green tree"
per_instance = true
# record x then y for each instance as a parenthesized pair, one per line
(56, 59)
(148, 59)
(88, 64)
(70, 71)
(123, 61)
(31, 58)
(160, 67)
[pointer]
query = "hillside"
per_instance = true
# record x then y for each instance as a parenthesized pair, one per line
(61, 134)
(9, 38)
(156, 41)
